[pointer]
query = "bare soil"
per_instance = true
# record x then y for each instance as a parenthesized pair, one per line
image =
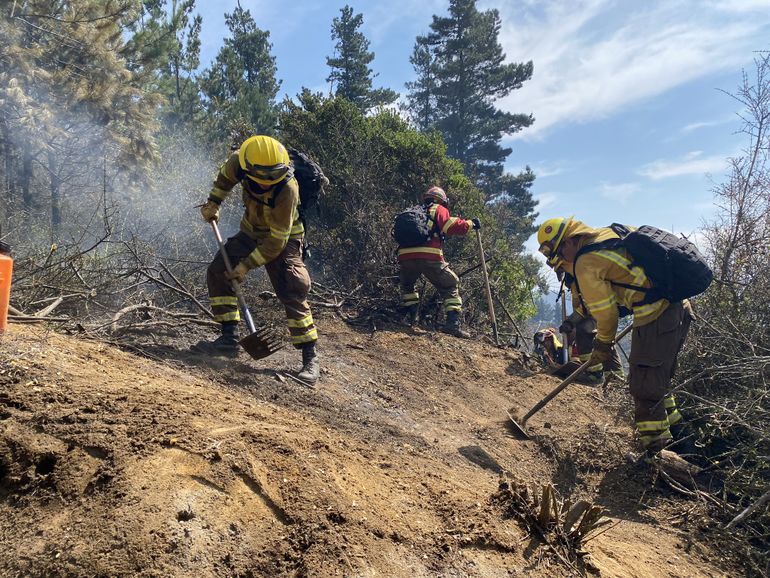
(116, 464)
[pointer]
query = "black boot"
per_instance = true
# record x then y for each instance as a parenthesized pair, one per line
(452, 325)
(311, 366)
(409, 314)
(226, 345)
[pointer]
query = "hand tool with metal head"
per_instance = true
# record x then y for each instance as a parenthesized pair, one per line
(259, 343)
(521, 423)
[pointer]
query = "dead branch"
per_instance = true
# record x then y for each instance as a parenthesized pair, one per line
(763, 499)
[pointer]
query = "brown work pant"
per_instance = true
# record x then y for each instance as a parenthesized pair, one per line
(288, 276)
(654, 349)
(441, 277)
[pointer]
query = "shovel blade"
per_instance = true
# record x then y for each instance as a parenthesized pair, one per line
(516, 427)
(262, 343)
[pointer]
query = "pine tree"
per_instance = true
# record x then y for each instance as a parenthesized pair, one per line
(422, 98)
(241, 86)
(166, 44)
(461, 73)
(350, 65)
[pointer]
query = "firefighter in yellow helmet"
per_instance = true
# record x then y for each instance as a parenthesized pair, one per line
(580, 329)
(270, 235)
(660, 327)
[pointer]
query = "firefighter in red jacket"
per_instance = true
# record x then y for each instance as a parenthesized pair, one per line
(428, 260)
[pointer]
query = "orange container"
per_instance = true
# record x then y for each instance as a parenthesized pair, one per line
(6, 269)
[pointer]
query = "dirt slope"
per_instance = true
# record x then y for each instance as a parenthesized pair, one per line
(113, 464)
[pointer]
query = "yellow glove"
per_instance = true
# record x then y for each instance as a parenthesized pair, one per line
(602, 353)
(239, 273)
(210, 211)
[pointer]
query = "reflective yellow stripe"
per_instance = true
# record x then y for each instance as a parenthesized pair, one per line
(669, 402)
(652, 426)
(256, 258)
(449, 223)
(226, 300)
(283, 236)
(431, 250)
(231, 316)
(304, 322)
(603, 304)
(615, 257)
(311, 335)
(674, 417)
(298, 228)
(648, 439)
(406, 296)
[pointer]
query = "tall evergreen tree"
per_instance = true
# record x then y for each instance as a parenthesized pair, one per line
(241, 86)
(422, 97)
(166, 43)
(461, 73)
(350, 65)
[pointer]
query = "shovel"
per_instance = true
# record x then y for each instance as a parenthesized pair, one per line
(259, 343)
(489, 290)
(521, 424)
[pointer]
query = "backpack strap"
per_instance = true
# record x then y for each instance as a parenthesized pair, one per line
(651, 294)
(434, 225)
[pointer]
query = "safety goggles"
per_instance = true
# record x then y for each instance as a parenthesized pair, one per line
(270, 174)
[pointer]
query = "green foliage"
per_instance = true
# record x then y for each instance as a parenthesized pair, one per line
(166, 46)
(241, 86)
(378, 165)
(68, 100)
(350, 65)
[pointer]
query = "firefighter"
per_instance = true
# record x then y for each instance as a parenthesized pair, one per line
(270, 235)
(549, 347)
(580, 329)
(660, 327)
(428, 260)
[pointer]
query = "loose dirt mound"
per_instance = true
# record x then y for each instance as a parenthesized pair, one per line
(113, 464)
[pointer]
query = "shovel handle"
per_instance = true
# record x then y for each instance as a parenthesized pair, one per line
(233, 282)
(489, 290)
(572, 377)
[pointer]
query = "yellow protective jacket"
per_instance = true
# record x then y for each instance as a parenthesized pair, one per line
(271, 217)
(595, 273)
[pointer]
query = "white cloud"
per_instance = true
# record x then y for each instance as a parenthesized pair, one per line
(545, 200)
(707, 123)
(592, 58)
(619, 192)
(693, 163)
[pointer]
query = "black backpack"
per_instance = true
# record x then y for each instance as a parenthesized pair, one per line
(310, 178)
(674, 265)
(413, 227)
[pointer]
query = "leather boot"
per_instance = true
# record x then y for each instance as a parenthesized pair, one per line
(226, 345)
(452, 325)
(311, 366)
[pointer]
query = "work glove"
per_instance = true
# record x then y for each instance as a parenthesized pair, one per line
(239, 273)
(602, 353)
(476, 223)
(210, 211)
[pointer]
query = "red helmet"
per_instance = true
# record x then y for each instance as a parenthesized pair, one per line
(436, 194)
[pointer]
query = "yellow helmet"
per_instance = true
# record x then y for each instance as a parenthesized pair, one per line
(264, 159)
(550, 235)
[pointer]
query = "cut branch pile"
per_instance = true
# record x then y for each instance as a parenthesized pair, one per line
(563, 526)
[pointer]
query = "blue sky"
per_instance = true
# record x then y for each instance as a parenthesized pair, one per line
(631, 121)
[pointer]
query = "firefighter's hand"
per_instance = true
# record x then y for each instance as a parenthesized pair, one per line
(602, 353)
(239, 273)
(476, 223)
(210, 211)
